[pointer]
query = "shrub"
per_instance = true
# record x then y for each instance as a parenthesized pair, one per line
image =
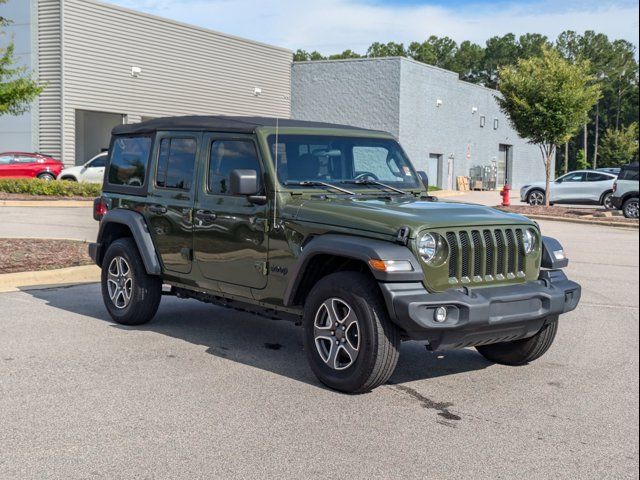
(35, 186)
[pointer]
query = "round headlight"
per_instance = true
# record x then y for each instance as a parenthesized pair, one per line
(428, 247)
(529, 240)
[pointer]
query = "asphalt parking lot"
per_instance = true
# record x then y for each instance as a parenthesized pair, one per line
(203, 392)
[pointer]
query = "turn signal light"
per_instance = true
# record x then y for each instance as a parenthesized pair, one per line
(391, 265)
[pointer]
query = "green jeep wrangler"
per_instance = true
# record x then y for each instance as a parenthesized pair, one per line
(326, 225)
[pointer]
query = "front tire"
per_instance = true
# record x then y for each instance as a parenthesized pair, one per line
(630, 208)
(351, 344)
(521, 352)
(130, 294)
(536, 198)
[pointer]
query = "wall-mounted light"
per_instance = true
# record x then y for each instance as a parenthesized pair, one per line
(257, 91)
(496, 123)
(483, 121)
(474, 110)
(438, 103)
(136, 72)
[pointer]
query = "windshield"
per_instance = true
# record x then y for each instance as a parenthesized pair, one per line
(334, 159)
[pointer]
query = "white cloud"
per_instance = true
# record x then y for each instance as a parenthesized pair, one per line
(331, 26)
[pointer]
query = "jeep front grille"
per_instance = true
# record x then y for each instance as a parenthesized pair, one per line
(486, 255)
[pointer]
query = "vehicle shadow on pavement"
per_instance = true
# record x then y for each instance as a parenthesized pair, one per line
(271, 345)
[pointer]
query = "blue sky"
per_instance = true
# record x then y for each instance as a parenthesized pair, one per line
(331, 26)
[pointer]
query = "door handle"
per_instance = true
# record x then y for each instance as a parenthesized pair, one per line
(157, 209)
(205, 215)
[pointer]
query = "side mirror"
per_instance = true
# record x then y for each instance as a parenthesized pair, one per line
(243, 182)
(425, 179)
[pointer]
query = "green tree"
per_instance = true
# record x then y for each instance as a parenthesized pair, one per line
(581, 160)
(499, 52)
(304, 56)
(391, 49)
(468, 61)
(344, 55)
(547, 99)
(620, 147)
(17, 88)
(435, 51)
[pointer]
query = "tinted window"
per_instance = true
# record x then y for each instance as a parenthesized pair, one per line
(175, 163)
(629, 174)
(598, 177)
(25, 159)
(573, 177)
(227, 155)
(98, 162)
(5, 159)
(129, 158)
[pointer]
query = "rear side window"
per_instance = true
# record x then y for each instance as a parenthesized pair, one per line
(227, 155)
(598, 177)
(129, 160)
(629, 174)
(175, 163)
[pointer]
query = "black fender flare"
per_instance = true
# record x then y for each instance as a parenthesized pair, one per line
(549, 259)
(357, 248)
(141, 235)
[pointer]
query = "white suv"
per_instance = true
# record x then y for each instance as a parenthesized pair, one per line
(625, 191)
(588, 187)
(92, 171)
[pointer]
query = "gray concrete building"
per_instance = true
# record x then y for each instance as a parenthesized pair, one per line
(446, 126)
(104, 65)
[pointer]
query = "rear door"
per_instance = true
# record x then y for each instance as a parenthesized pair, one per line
(169, 208)
(230, 243)
(596, 185)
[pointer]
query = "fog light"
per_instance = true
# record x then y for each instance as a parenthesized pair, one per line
(440, 315)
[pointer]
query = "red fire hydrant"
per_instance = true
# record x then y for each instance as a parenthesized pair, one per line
(505, 195)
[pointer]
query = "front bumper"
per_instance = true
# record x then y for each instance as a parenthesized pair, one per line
(480, 316)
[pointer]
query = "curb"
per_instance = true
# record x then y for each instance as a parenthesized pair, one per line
(47, 203)
(14, 282)
(627, 226)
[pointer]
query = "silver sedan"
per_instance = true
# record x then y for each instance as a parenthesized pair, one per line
(586, 187)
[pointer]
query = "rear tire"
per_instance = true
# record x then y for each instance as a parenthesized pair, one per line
(130, 294)
(607, 202)
(630, 208)
(363, 354)
(521, 352)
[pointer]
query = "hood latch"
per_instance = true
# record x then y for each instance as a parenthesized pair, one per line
(402, 237)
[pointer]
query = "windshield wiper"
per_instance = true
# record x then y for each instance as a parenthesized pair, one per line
(315, 183)
(375, 182)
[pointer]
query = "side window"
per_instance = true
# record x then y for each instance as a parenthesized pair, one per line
(227, 155)
(25, 159)
(626, 174)
(5, 159)
(573, 177)
(129, 159)
(176, 160)
(597, 177)
(101, 161)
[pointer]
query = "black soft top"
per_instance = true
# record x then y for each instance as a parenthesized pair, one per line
(220, 124)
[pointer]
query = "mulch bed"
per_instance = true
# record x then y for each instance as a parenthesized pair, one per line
(24, 255)
(568, 212)
(24, 196)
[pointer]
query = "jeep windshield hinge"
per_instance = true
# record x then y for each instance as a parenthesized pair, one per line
(402, 237)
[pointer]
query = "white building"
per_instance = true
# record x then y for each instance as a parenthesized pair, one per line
(104, 65)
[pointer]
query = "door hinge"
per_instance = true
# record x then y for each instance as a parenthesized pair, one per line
(262, 267)
(186, 254)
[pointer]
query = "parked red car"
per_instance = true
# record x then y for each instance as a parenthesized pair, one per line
(29, 165)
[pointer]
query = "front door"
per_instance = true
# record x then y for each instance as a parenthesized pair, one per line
(169, 209)
(230, 242)
(570, 187)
